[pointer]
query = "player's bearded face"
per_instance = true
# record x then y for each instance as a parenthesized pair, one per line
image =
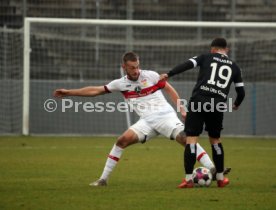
(132, 69)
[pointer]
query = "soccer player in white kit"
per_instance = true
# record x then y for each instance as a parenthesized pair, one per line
(142, 91)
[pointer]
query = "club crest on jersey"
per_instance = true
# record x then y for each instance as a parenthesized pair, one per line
(137, 89)
(144, 82)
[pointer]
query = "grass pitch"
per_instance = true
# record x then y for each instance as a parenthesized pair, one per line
(53, 173)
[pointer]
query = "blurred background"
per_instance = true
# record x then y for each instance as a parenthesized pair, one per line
(73, 56)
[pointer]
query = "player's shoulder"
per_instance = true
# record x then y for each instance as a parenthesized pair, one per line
(210, 55)
(119, 81)
(149, 73)
(237, 68)
(233, 63)
(119, 84)
(145, 71)
(202, 56)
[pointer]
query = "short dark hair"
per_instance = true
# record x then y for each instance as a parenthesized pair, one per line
(130, 56)
(219, 42)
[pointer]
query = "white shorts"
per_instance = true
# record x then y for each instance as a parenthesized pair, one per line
(167, 125)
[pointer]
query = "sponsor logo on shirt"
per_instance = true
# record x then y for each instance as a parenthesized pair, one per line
(137, 89)
(144, 82)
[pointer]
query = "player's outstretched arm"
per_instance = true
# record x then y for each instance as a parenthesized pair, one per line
(85, 91)
(180, 68)
(175, 98)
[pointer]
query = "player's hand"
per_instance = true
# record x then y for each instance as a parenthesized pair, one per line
(183, 114)
(59, 93)
(235, 107)
(164, 77)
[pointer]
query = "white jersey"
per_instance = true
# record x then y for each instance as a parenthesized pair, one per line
(144, 95)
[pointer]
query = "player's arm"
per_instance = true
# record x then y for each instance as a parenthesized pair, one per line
(85, 91)
(181, 68)
(174, 98)
(239, 98)
(189, 64)
(239, 87)
(178, 69)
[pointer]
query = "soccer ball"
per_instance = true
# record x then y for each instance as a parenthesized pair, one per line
(202, 177)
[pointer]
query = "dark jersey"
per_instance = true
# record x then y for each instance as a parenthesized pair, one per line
(216, 74)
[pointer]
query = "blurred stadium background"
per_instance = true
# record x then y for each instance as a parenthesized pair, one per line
(76, 56)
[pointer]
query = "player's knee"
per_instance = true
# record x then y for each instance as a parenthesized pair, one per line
(181, 138)
(192, 131)
(214, 134)
(124, 141)
(178, 133)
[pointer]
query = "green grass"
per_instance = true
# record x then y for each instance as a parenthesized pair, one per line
(53, 173)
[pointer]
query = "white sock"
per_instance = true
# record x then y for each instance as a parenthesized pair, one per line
(203, 157)
(220, 176)
(188, 177)
(111, 162)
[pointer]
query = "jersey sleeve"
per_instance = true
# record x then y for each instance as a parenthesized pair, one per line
(154, 76)
(113, 86)
(197, 60)
(238, 81)
(239, 86)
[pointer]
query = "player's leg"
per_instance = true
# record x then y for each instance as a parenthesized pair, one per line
(193, 128)
(201, 154)
(139, 132)
(192, 148)
(206, 161)
(218, 157)
(190, 156)
(214, 126)
(129, 137)
(204, 158)
(170, 127)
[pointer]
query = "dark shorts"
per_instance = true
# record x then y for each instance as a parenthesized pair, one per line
(196, 119)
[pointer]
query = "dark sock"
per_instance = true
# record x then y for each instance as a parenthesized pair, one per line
(189, 158)
(218, 157)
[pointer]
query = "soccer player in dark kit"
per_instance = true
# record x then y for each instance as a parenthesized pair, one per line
(215, 76)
